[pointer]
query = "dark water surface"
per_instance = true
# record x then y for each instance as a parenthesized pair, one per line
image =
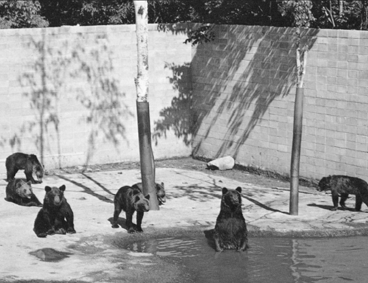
(268, 259)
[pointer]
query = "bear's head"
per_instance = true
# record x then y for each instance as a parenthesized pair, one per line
(54, 195)
(161, 195)
(37, 167)
(23, 188)
(324, 184)
(140, 202)
(231, 199)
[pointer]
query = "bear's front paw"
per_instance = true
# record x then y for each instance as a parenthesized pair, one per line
(131, 230)
(115, 226)
(71, 230)
(60, 231)
(50, 231)
(139, 229)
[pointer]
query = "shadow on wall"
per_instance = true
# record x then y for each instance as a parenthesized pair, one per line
(237, 77)
(178, 116)
(68, 77)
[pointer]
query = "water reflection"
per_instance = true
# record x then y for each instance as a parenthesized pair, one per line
(268, 260)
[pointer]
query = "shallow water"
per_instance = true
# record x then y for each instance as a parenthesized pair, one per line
(268, 259)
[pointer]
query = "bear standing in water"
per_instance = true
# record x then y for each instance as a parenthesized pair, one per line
(130, 200)
(230, 230)
(342, 186)
(27, 162)
(20, 192)
(56, 215)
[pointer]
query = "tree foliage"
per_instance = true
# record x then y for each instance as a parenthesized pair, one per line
(352, 14)
(21, 14)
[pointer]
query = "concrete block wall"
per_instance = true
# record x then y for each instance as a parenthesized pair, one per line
(244, 88)
(68, 95)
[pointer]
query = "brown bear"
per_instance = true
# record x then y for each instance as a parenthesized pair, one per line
(56, 215)
(231, 230)
(130, 200)
(27, 162)
(160, 191)
(342, 186)
(20, 192)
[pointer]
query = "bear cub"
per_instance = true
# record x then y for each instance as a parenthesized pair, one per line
(27, 162)
(20, 192)
(342, 186)
(130, 200)
(56, 215)
(230, 230)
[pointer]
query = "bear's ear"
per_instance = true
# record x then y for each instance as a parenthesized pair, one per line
(29, 183)
(47, 188)
(224, 190)
(162, 184)
(239, 189)
(147, 197)
(62, 188)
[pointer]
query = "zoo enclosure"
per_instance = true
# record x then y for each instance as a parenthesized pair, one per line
(68, 95)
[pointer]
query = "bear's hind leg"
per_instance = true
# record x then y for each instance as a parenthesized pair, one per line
(10, 174)
(343, 198)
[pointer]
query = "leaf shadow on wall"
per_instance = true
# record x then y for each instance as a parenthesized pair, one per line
(68, 80)
(178, 116)
(236, 78)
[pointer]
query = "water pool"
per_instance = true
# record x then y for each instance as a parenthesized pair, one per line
(268, 259)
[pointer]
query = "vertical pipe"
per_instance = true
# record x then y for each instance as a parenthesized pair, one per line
(295, 154)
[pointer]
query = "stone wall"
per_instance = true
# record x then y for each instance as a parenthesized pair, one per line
(244, 91)
(68, 95)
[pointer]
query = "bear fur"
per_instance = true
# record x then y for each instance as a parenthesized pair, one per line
(342, 186)
(130, 200)
(160, 191)
(56, 215)
(27, 162)
(20, 192)
(230, 230)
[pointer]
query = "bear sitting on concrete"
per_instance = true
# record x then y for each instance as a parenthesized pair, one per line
(231, 230)
(343, 186)
(130, 200)
(56, 215)
(160, 191)
(20, 192)
(27, 162)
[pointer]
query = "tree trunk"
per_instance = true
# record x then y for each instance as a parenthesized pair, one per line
(143, 117)
(301, 61)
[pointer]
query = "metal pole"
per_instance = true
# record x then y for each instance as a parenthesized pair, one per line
(295, 154)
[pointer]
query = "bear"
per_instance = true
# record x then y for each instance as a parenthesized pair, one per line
(20, 192)
(160, 191)
(342, 186)
(130, 200)
(27, 162)
(56, 216)
(231, 230)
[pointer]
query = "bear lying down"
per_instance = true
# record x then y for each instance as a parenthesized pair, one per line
(56, 215)
(20, 192)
